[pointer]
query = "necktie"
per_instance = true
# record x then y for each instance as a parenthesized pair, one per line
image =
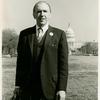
(39, 34)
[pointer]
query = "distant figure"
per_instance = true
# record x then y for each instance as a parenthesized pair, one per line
(42, 62)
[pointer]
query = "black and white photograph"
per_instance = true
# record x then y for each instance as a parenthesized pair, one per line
(49, 49)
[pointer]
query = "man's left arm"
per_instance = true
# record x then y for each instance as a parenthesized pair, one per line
(62, 65)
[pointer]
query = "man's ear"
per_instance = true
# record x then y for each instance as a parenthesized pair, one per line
(34, 15)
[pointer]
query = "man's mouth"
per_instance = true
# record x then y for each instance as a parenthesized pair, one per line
(42, 19)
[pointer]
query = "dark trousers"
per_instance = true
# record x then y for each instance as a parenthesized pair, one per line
(29, 94)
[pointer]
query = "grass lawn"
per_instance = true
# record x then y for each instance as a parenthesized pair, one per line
(82, 80)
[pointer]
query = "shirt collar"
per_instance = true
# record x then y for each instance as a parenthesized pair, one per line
(44, 28)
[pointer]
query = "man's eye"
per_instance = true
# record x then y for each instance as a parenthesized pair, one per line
(41, 11)
(44, 11)
(38, 11)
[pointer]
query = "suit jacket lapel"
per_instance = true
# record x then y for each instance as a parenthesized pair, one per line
(48, 37)
(31, 38)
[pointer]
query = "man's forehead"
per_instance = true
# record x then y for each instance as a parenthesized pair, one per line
(42, 5)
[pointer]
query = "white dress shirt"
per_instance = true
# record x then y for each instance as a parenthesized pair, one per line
(42, 33)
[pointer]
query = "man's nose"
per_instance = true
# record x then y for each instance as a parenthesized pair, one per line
(42, 13)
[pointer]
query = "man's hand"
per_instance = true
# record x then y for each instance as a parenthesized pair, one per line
(16, 93)
(17, 90)
(61, 95)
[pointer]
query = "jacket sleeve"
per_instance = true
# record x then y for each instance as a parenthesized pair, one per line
(62, 63)
(20, 60)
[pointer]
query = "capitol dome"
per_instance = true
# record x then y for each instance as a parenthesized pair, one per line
(70, 38)
(70, 32)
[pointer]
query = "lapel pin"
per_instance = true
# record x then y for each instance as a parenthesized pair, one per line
(51, 34)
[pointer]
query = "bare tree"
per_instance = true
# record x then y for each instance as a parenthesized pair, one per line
(90, 48)
(9, 41)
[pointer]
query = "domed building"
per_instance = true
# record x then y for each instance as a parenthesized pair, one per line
(70, 39)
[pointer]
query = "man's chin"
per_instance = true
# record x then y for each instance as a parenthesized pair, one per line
(42, 23)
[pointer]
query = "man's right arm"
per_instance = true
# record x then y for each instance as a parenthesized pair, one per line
(19, 64)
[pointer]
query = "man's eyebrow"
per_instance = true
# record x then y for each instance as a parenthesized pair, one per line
(42, 10)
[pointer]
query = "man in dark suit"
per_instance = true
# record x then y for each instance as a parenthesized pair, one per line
(42, 62)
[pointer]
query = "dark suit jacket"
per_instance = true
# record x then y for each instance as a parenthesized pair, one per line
(54, 63)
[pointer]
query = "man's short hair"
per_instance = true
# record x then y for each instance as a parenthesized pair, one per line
(41, 2)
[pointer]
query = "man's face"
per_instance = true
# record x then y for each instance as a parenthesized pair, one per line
(42, 14)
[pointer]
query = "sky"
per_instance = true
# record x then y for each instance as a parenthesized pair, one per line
(81, 14)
